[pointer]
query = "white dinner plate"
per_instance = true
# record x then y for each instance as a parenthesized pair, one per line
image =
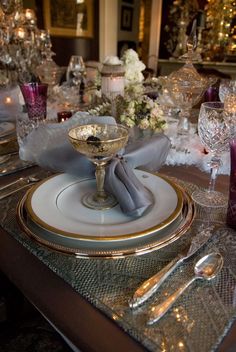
(108, 249)
(6, 128)
(56, 206)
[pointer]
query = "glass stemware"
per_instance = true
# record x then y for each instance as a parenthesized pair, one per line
(215, 129)
(227, 87)
(186, 87)
(169, 108)
(35, 97)
(99, 142)
(76, 69)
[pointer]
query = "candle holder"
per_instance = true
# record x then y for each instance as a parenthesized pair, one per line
(62, 116)
(113, 80)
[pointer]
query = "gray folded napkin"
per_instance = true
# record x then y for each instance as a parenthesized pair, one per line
(49, 147)
(120, 180)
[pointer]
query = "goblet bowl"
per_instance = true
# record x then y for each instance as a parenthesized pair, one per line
(98, 141)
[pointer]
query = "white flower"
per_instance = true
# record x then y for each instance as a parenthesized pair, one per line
(131, 110)
(134, 90)
(150, 104)
(127, 120)
(156, 111)
(144, 124)
(133, 67)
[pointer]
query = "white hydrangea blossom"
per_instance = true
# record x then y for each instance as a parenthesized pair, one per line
(144, 113)
(133, 67)
(144, 124)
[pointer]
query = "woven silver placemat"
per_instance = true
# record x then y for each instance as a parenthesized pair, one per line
(201, 317)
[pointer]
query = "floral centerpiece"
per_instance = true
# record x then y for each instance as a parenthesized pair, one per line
(134, 108)
(142, 112)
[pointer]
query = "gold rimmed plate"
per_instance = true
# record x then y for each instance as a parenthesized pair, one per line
(55, 205)
(80, 250)
(118, 244)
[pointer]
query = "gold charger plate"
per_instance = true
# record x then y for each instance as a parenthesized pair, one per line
(109, 249)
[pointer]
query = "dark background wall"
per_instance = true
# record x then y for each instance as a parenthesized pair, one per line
(64, 47)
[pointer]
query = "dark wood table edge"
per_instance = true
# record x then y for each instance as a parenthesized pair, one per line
(83, 324)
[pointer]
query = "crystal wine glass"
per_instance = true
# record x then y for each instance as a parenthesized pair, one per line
(99, 142)
(227, 87)
(77, 69)
(215, 129)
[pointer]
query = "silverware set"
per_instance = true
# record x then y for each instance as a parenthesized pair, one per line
(206, 268)
(17, 185)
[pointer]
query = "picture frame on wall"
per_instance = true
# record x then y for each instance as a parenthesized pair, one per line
(68, 19)
(126, 18)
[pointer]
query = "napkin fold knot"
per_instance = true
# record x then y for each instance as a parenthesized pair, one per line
(120, 180)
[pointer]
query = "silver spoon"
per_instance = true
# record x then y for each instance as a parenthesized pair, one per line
(27, 180)
(206, 268)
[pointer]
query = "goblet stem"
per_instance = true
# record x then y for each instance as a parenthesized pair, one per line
(100, 178)
(210, 197)
(183, 125)
(99, 200)
(214, 165)
(77, 80)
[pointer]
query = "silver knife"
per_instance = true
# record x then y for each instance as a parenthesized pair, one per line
(150, 286)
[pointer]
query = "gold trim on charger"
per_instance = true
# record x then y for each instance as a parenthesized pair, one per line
(109, 254)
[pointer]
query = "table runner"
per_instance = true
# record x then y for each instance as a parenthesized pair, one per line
(201, 317)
